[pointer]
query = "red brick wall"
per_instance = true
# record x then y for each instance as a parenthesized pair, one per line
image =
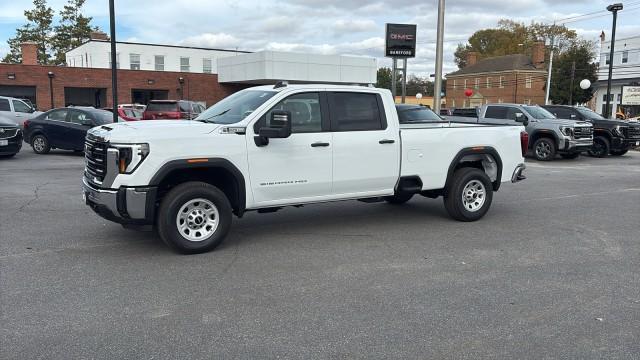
(494, 94)
(197, 87)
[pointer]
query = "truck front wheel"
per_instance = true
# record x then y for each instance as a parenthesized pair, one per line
(544, 149)
(469, 195)
(194, 217)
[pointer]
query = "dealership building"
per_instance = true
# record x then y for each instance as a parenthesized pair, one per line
(159, 72)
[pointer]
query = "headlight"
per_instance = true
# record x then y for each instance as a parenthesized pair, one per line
(566, 130)
(619, 130)
(130, 156)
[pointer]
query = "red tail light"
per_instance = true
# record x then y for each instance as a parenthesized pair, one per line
(524, 142)
(25, 124)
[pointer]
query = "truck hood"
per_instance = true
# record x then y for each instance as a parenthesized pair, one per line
(152, 130)
(566, 122)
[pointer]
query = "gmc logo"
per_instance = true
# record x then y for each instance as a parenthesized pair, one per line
(405, 37)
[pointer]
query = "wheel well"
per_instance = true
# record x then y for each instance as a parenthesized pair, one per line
(219, 177)
(539, 135)
(488, 161)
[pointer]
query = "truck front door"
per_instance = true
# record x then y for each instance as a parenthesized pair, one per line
(297, 168)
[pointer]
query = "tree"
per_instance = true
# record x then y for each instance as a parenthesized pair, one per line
(37, 29)
(72, 31)
(581, 52)
(384, 78)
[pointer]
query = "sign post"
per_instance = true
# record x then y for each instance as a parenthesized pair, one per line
(400, 43)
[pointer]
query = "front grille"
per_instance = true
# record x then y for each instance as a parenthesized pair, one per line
(6, 133)
(633, 132)
(583, 132)
(95, 153)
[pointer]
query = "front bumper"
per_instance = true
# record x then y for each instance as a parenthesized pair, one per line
(127, 205)
(631, 143)
(14, 144)
(579, 145)
(517, 173)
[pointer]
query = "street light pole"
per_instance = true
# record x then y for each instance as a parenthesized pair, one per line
(614, 8)
(51, 75)
(546, 95)
(114, 65)
(437, 86)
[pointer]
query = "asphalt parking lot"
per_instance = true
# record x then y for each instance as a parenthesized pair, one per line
(552, 271)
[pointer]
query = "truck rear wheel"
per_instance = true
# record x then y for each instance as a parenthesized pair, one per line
(194, 217)
(469, 195)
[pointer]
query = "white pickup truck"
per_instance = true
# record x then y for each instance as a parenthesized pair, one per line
(267, 147)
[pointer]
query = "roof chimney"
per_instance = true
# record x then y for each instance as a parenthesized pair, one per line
(472, 58)
(29, 51)
(537, 54)
(98, 35)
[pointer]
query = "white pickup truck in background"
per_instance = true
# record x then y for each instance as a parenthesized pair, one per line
(267, 147)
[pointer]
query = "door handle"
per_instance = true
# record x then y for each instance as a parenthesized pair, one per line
(320, 144)
(386, 141)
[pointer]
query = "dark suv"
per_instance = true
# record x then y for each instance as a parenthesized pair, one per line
(172, 110)
(613, 137)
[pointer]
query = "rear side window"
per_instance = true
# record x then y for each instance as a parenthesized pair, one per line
(58, 115)
(496, 112)
(356, 112)
(162, 106)
(78, 117)
(4, 105)
(561, 113)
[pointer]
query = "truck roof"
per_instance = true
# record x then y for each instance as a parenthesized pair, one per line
(311, 86)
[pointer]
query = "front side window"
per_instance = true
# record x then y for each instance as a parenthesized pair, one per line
(57, 115)
(306, 116)
(236, 107)
(355, 112)
(159, 62)
(78, 117)
(206, 66)
(19, 106)
(134, 61)
(184, 64)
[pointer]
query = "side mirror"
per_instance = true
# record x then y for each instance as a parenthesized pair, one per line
(279, 128)
(522, 118)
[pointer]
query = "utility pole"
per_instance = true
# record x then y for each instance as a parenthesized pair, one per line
(614, 8)
(437, 88)
(573, 76)
(546, 95)
(114, 65)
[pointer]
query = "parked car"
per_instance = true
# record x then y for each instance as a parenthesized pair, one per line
(17, 109)
(63, 128)
(10, 138)
(268, 147)
(548, 135)
(127, 114)
(613, 137)
(172, 109)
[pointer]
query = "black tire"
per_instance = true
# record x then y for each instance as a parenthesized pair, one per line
(570, 156)
(398, 199)
(601, 147)
(40, 144)
(618, 152)
(189, 193)
(544, 149)
(453, 199)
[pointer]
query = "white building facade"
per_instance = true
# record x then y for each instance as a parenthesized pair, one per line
(626, 72)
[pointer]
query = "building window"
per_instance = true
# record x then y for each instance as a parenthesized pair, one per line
(206, 66)
(453, 101)
(528, 82)
(604, 97)
(134, 61)
(455, 85)
(184, 64)
(477, 86)
(117, 60)
(465, 84)
(499, 100)
(619, 98)
(527, 101)
(625, 56)
(606, 60)
(159, 62)
(501, 82)
(488, 83)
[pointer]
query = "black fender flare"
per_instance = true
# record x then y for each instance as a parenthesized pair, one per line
(201, 163)
(476, 150)
(546, 133)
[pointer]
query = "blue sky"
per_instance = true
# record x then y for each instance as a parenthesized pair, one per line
(352, 27)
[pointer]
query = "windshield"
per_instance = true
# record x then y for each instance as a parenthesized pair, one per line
(163, 106)
(590, 114)
(236, 107)
(538, 112)
(417, 114)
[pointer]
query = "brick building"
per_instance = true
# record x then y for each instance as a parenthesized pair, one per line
(514, 78)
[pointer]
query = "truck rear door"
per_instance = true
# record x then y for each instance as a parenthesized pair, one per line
(366, 144)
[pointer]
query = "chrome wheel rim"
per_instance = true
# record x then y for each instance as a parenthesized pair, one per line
(197, 220)
(473, 195)
(543, 150)
(38, 144)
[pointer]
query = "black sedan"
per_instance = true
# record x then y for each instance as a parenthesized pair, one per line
(63, 128)
(10, 138)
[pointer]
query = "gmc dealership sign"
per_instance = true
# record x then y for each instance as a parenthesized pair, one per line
(400, 41)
